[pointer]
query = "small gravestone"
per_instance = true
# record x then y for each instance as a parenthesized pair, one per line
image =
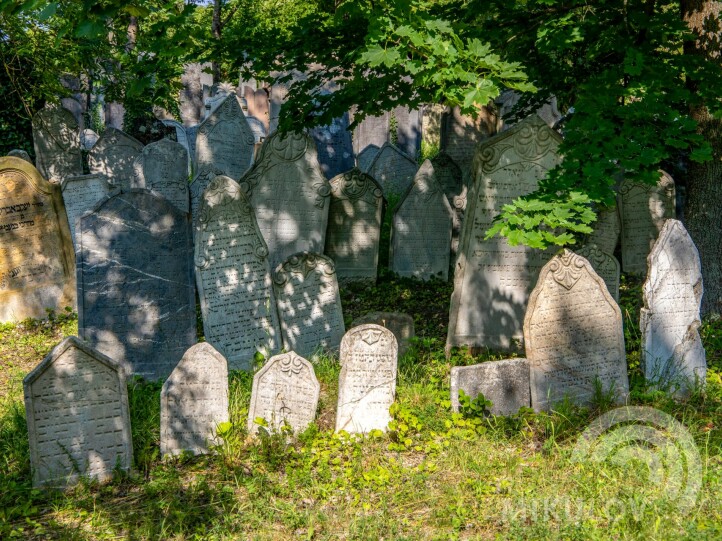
(81, 194)
(504, 383)
(450, 178)
(19, 153)
(290, 196)
(309, 304)
(643, 209)
(88, 138)
(672, 352)
(335, 153)
(234, 277)
(76, 405)
(393, 169)
(354, 226)
(194, 401)
(136, 297)
(284, 391)
(113, 156)
(573, 336)
(37, 267)
(605, 265)
(200, 182)
(57, 143)
(607, 229)
(367, 383)
(421, 229)
(366, 157)
(163, 167)
(402, 325)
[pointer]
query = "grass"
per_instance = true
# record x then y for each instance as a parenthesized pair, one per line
(434, 475)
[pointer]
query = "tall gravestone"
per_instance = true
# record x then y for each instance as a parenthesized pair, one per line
(460, 134)
(408, 130)
(372, 131)
(333, 142)
(309, 304)
(163, 167)
(136, 298)
(285, 391)
(113, 156)
(81, 194)
(181, 136)
(393, 169)
(367, 382)
(450, 178)
(366, 157)
(492, 280)
(643, 209)
(191, 94)
(607, 229)
(76, 405)
(194, 401)
(573, 335)
(354, 226)
(421, 229)
(290, 196)
(234, 277)
(672, 352)
(37, 267)
(56, 140)
(200, 182)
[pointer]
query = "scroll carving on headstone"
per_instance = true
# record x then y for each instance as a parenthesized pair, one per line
(605, 265)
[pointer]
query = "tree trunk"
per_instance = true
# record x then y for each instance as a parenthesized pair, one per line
(216, 29)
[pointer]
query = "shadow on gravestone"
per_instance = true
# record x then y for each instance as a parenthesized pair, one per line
(365, 158)
(113, 156)
(393, 169)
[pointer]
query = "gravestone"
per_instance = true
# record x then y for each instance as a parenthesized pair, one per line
(450, 178)
(402, 325)
(76, 405)
(607, 229)
(19, 153)
(194, 401)
(672, 352)
(461, 134)
(371, 131)
(548, 112)
(393, 170)
(113, 156)
(285, 390)
(492, 280)
(605, 265)
(408, 130)
(191, 95)
(504, 383)
(200, 182)
(37, 267)
(290, 196)
(234, 277)
(573, 335)
(114, 115)
(421, 229)
(163, 167)
(136, 298)
(57, 143)
(76, 108)
(181, 136)
(431, 124)
(333, 142)
(309, 304)
(366, 157)
(354, 226)
(80, 195)
(643, 210)
(88, 138)
(367, 382)
(258, 105)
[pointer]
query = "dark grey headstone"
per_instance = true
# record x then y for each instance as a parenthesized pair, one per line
(504, 383)
(333, 142)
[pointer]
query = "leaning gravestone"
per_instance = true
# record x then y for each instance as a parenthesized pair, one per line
(136, 299)
(309, 304)
(402, 325)
(393, 169)
(81, 194)
(492, 280)
(194, 401)
(421, 229)
(573, 335)
(284, 391)
(163, 167)
(88, 138)
(366, 157)
(234, 277)
(605, 265)
(19, 153)
(37, 267)
(290, 196)
(449, 176)
(57, 143)
(333, 142)
(607, 229)
(372, 131)
(367, 383)
(672, 352)
(113, 156)
(504, 383)
(76, 405)
(354, 226)
(644, 209)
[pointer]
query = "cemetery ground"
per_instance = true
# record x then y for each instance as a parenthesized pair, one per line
(434, 475)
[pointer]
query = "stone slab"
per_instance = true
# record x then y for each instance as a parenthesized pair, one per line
(163, 167)
(19, 153)
(393, 169)
(462, 133)
(605, 265)
(333, 142)
(81, 194)
(57, 143)
(607, 230)
(505, 383)
(113, 157)
(402, 325)
(366, 157)
(450, 178)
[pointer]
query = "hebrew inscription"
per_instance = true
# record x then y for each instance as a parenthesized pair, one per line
(163, 167)
(605, 265)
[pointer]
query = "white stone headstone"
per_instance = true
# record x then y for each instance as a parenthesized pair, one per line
(162, 166)
(113, 156)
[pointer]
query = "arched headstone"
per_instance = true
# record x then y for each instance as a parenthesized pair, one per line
(113, 156)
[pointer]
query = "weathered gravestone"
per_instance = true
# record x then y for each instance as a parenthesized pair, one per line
(367, 383)
(258, 104)
(354, 226)
(19, 153)
(573, 335)
(504, 383)
(393, 169)
(194, 401)
(191, 95)
(408, 130)
(290, 196)
(37, 267)
(199, 184)
(113, 156)
(333, 142)
(372, 131)
(402, 325)
(643, 209)
(605, 265)
(607, 229)
(81, 194)
(57, 143)
(492, 280)
(366, 157)
(672, 352)
(76, 405)
(431, 119)
(309, 304)
(450, 178)
(88, 138)
(163, 167)
(234, 277)
(421, 229)
(284, 391)
(136, 298)
(461, 134)
(181, 136)
(508, 99)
